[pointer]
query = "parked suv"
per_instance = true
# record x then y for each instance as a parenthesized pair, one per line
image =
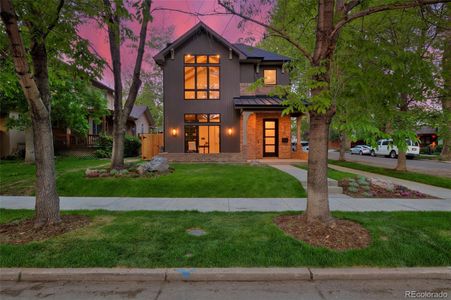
(385, 147)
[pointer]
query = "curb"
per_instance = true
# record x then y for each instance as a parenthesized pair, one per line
(221, 274)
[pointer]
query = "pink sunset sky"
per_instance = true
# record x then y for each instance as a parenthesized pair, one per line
(225, 25)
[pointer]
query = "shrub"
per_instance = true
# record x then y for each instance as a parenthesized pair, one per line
(353, 189)
(132, 146)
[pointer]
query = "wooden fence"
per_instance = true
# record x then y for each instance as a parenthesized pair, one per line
(151, 144)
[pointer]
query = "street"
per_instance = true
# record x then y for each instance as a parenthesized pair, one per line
(432, 167)
(327, 289)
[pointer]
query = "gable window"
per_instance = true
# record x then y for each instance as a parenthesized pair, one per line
(270, 77)
(201, 77)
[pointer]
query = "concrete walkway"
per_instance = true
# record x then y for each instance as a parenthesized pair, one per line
(337, 203)
(301, 175)
(415, 186)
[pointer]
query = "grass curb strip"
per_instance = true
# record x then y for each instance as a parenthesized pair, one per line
(221, 274)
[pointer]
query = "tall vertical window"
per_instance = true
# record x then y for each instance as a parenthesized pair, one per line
(202, 77)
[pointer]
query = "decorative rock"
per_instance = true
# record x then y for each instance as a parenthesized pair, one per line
(390, 186)
(157, 164)
(92, 173)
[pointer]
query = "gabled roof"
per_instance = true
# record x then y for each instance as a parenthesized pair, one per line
(160, 57)
(139, 110)
(254, 52)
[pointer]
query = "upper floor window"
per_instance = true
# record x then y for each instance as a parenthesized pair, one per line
(270, 76)
(201, 77)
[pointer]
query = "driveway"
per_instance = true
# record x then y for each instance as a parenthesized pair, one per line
(417, 165)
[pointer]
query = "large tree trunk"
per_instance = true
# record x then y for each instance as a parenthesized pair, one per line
(37, 93)
(446, 97)
(117, 157)
(317, 188)
(29, 145)
(343, 146)
(401, 165)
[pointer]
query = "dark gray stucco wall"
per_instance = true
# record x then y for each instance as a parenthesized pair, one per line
(175, 106)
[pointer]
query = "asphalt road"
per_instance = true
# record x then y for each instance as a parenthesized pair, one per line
(427, 166)
(331, 289)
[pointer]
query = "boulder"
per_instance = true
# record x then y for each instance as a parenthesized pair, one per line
(385, 184)
(157, 164)
(92, 173)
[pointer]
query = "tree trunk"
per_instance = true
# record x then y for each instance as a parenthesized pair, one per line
(117, 157)
(446, 97)
(318, 198)
(29, 146)
(37, 93)
(401, 165)
(343, 147)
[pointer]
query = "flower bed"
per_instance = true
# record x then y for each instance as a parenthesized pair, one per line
(362, 187)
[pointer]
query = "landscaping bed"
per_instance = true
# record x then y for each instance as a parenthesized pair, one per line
(144, 239)
(362, 187)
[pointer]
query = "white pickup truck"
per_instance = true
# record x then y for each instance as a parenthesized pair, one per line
(386, 148)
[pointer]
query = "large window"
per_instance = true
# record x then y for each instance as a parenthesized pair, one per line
(202, 118)
(201, 77)
(203, 137)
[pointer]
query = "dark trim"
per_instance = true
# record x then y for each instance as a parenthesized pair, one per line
(276, 137)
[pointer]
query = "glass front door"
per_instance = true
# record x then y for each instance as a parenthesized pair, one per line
(202, 139)
(270, 138)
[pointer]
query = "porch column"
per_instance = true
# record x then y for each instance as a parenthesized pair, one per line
(246, 115)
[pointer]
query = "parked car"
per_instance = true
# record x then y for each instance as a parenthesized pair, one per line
(361, 150)
(385, 147)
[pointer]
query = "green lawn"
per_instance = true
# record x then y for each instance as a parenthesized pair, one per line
(188, 180)
(439, 181)
(158, 239)
(332, 173)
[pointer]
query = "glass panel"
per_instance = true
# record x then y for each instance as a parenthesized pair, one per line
(203, 139)
(270, 149)
(214, 78)
(202, 78)
(270, 141)
(190, 117)
(190, 95)
(201, 59)
(201, 95)
(270, 132)
(190, 139)
(269, 76)
(270, 124)
(214, 59)
(213, 139)
(215, 118)
(189, 77)
(203, 118)
(189, 59)
(214, 94)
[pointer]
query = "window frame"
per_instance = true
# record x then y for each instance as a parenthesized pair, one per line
(275, 73)
(207, 65)
(196, 119)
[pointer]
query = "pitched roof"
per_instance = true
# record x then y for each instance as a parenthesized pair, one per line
(258, 102)
(159, 58)
(138, 110)
(254, 52)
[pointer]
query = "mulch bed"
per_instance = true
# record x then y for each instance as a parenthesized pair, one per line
(336, 234)
(23, 231)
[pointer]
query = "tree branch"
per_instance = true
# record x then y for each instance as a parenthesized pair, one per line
(55, 21)
(372, 10)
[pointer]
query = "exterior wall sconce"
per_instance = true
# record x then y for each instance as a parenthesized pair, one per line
(229, 131)
(174, 132)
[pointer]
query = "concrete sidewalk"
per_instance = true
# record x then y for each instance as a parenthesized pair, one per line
(337, 203)
(415, 186)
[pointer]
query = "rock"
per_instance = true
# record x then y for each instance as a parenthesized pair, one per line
(385, 184)
(157, 164)
(92, 173)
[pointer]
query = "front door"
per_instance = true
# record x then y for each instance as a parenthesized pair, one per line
(270, 138)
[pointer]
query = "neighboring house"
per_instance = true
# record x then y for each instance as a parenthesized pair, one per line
(139, 122)
(208, 108)
(12, 141)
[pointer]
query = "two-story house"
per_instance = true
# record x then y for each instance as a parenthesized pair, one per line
(210, 112)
